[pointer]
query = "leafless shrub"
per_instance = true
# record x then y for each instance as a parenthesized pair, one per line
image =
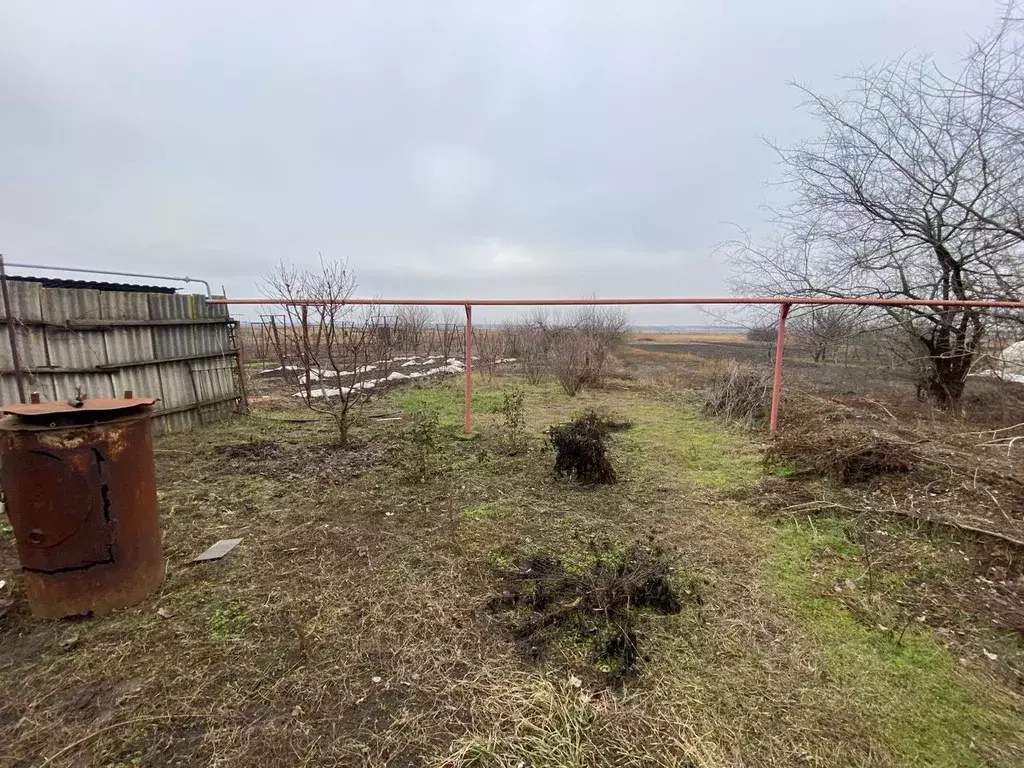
(335, 355)
(446, 335)
(762, 334)
(739, 393)
(488, 348)
(512, 334)
(574, 357)
(532, 356)
(411, 328)
(581, 345)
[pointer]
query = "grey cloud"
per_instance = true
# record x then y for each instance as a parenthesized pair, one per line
(445, 148)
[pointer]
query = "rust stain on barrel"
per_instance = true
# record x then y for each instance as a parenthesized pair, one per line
(82, 502)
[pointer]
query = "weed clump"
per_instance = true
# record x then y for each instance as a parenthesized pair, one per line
(847, 456)
(580, 449)
(513, 408)
(422, 435)
(598, 603)
(739, 393)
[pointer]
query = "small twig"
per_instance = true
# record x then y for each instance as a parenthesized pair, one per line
(1009, 442)
(906, 625)
(867, 560)
(875, 402)
(821, 506)
(94, 734)
(1002, 511)
(992, 432)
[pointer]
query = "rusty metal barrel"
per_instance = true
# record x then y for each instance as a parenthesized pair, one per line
(79, 481)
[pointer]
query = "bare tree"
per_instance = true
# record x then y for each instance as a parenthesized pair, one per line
(447, 333)
(989, 89)
(512, 334)
(824, 329)
(488, 347)
(412, 327)
(582, 343)
(337, 356)
(883, 201)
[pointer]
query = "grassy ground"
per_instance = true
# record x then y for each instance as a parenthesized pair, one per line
(351, 626)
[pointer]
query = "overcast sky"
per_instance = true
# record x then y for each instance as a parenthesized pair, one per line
(486, 149)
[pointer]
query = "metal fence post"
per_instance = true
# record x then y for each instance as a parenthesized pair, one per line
(469, 367)
(12, 336)
(780, 343)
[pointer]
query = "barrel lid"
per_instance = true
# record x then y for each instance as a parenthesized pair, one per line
(84, 405)
(84, 409)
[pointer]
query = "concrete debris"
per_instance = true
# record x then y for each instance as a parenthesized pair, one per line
(279, 370)
(218, 550)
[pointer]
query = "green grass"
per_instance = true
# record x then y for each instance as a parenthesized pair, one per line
(448, 401)
(910, 688)
(699, 451)
(229, 621)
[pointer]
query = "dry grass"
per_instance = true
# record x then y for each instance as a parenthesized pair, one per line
(350, 627)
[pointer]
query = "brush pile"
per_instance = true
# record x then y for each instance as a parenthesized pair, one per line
(739, 393)
(848, 456)
(581, 452)
(597, 603)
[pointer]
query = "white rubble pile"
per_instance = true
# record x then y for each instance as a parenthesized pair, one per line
(452, 366)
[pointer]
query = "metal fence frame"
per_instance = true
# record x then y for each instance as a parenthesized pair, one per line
(172, 346)
(784, 303)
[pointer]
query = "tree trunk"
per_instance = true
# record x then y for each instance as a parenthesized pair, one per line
(953, 344)
(341, 421)
(946, 382)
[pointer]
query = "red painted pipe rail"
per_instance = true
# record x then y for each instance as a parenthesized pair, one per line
(784, 303)
(776, 300)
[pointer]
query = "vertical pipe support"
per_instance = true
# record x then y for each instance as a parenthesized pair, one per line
(304, 353)
(780, 345)
(12, 336)
(240, 363)
(469, 367)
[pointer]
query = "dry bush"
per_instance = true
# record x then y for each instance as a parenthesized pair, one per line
(533, 355)
(446, 334)
(599, 603)
(739, 393)
(489, 346)
(580, 450)
(577, 360)
(846, 455)
(581, 345)
(763, 334)
(412, 328)
(334, 353)
(513, 412)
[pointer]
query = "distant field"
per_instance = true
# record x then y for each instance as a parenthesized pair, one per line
(654, 337)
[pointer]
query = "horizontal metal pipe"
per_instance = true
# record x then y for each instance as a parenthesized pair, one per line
(772, 300)
(116, 274)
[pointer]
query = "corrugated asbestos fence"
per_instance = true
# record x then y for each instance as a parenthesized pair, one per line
(171, 346)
